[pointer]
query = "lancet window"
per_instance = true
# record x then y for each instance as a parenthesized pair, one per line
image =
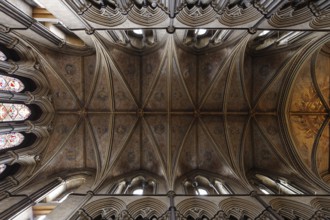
(13, 112)
(141, 186)
(11, 84)
(137, 186)
(10, 140)
(200, 185)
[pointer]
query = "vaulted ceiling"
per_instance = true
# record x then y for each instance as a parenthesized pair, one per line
(172, 104)
(171, 110)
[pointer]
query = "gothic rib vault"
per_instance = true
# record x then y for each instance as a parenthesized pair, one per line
(172, 106)
(170, 111)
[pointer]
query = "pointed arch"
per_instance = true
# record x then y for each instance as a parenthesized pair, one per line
(154, 206)
(188, 207)
(292, 209)
(137, 185)
(237, 208)
(105, 207)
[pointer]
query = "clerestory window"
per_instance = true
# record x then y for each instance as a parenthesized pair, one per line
(280, 185)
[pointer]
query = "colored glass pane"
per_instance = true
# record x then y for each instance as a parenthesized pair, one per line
(2, 167)
(10, 140)
(10, 84)
(3, 57)
(14, 112)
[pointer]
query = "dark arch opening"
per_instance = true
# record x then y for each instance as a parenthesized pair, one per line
(244, 217)
(10, 53)
(140, 218)
(153, 218)
(36, 112)
(204, 218)
(190, 217)
(99, 217)
(10, 170)
(100, 5)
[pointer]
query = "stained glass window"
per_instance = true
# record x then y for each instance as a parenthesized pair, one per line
(10, 140)
(10, 84)
(13, 112)
(2, 168)
(3, 57)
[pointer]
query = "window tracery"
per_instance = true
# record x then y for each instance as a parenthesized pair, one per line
(200, 185)
(137, 186)
(268, 185)
(13, 112)
(10, 140)
(140, 186)
(10, 83)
